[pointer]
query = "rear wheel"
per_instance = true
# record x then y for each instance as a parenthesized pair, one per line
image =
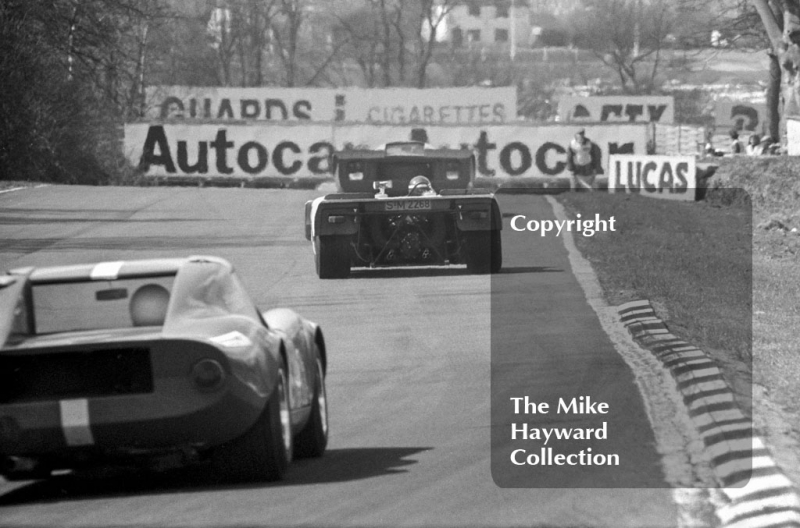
(484, 251)
(263, 453)
(332, 256)
(313, 439)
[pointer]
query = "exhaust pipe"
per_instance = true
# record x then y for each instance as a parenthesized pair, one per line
(20, 465)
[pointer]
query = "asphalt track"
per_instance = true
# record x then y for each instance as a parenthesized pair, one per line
(408, 383)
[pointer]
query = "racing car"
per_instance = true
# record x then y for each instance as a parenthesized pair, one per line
(404, 204)
(154, 364)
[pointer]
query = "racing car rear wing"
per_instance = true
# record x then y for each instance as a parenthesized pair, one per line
(447, 169)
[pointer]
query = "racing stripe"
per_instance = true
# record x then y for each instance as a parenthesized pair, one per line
(75, 422)
(106, 270)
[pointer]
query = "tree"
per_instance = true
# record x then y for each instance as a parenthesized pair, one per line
(70, 72)
(431, 17)
(359, 38)
(393, 41)
(739, 27)
(178, 50)
(286, 32)
(255, 40)
(107, 47)
(224, 30)
(378, 36)
(628, 36)
(303, 42)
(781, 21)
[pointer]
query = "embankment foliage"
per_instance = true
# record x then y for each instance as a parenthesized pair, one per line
(68, 80)
(773, 183)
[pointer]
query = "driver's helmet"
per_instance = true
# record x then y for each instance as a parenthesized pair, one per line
(419, 185)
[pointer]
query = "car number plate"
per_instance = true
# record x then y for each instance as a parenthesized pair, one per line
(408, 205)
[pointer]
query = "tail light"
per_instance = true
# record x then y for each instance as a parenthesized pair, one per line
(208, 374)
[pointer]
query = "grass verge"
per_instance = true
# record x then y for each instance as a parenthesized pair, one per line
(693, 261)
(774, 184)
(687, 267)
(13, 184)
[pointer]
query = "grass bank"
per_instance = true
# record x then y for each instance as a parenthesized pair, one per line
(718, 271)
(774, 185)
(691, 260)
(13, 184)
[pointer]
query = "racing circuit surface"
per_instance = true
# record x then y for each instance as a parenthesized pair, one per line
(408, 377)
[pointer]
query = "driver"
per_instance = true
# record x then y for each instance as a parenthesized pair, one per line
(420, 186)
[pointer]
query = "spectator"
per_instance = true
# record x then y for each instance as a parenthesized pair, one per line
(709, 146)
(583, 161)
(736, 145)
(419, 134)
(769, 147)
(754, 147)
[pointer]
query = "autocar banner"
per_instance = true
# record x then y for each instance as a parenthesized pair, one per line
(253, 150)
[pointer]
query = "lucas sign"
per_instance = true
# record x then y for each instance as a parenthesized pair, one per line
(391, 106)
(667, 177)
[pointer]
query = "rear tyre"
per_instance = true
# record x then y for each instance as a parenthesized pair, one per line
(263, 453)
(313, 439)
(332, 256)
(484, 252)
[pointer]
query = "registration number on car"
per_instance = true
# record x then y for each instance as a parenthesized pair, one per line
(408, 205)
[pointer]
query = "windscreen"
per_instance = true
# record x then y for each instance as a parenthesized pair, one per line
(99, 305)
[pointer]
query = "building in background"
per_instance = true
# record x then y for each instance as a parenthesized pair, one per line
(488, 23)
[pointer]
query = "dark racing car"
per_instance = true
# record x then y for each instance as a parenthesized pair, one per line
(156, 364)
(405, 204)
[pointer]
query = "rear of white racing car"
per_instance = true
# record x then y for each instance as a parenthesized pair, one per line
(154, 364)
(404, 205)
